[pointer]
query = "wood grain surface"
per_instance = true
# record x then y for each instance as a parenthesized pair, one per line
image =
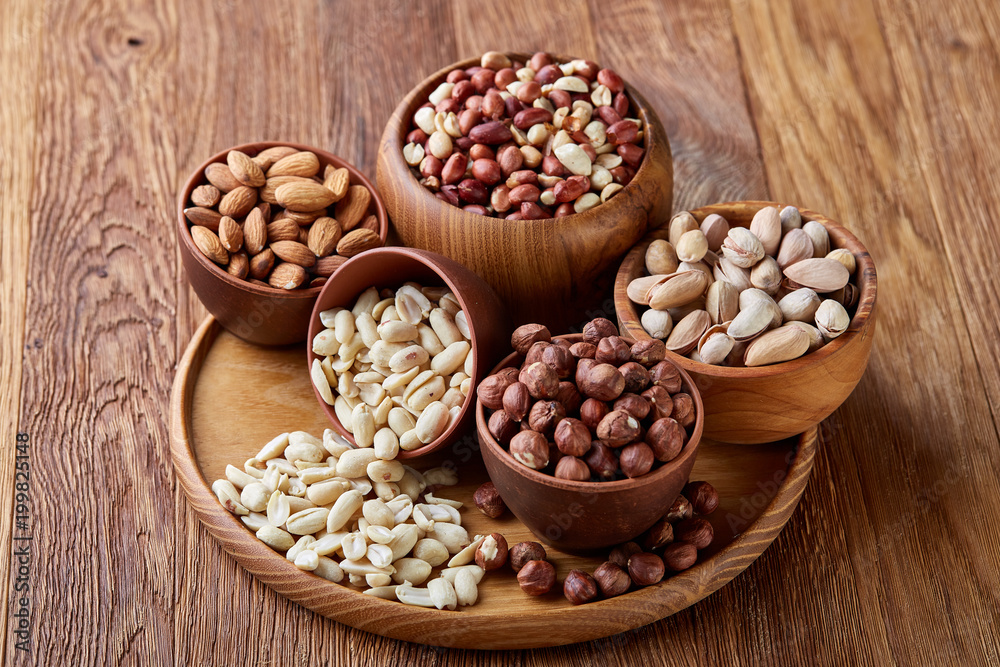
(879, 113)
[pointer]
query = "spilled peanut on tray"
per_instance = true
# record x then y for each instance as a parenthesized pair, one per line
(343, 513)
(731, 296)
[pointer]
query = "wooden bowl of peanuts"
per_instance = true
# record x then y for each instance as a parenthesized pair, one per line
(399, 339)
(258, 265)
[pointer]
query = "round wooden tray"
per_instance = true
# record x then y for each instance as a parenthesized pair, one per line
(230, 397)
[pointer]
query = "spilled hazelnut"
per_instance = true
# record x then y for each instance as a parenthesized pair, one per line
(697, 532)
(488, 500)
(537, 577)
(621, 553)
(660, 535)
(679, 556)
(522, 552)
(492, 553)
(645, 569)
(681, 509)
(611, 579)
(579, 587)
(704, 497)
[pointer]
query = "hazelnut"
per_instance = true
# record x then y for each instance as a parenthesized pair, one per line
(535, 353)
(636, 377)
(636, 459)
(592, 411)
(522, 552)
(559, 359)
(540, 380)
(569, 396)
(697, 532)
(602, 461)
(570, 467)
(554, 457)
(579, 587)
(492, 553)
(679, 556)
(648, 352)
(659, 400)
(618, 428)
(583, 350)
(511, 373)
(633, 404)
(620, 554)
(611, 579)
(597, 329)
(683, 410)
(516, 401)
(572, 437)
(531, 449)
(583, 367)
(660, 535)
(680, 510)
(645, 569)
(488, 500)
(666, 375)
(526, 335)
(490, 391)
(562, 342)
(502, 427)
(602, 381)
(704, 497)
(537, 577)
(544, 416)
(666, 438)
(613, 350)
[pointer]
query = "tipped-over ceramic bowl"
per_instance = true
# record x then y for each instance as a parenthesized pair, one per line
(585, 516)
(549, 271)
(259, 314)
(391, 267)
(769, 403)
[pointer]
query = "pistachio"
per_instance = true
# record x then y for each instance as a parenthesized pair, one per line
(678, 289)
(845, 257)
(766, 226)
(819, 236)
(799, 305)
(638, 290)
(688, 332)
(782, 344)
(832, 319)
(715, 228)
(742, 247)
(751, 321)
(657, 323)
(680, 224)
(821, 274)
(795, 247)
(816, 339)
(847, 296)
(766, 275)
(715, 345)
(730, 272)
(722, 301)
(692, 246)
(754, 295)
(790, 219)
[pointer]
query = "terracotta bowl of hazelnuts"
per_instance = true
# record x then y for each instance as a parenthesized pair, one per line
(588, 437)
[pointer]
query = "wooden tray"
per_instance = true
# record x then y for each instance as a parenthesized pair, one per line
(230, 397)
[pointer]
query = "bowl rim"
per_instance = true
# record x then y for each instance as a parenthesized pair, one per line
(197, 177)
(426, 258)
(867, 290)
(690, 448)
(395, 133)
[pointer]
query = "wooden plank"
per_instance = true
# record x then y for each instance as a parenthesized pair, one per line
(910, 463)
(20, 27)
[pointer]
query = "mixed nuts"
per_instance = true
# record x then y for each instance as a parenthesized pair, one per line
(733, 296)
(526, 140)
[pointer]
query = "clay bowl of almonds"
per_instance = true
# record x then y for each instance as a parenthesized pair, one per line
(588, 437)
(769, 307)
(398, 340)
(537, 172)
(263, 225)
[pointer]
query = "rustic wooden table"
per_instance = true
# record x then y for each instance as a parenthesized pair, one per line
(881, 114)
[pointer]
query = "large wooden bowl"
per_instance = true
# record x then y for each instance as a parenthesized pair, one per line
(261, 315)
(549, 271)
(391, 267)
(769, 403)
(586, 516)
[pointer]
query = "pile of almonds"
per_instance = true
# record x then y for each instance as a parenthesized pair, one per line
(526, 140)
(396, 366)
(746, 297)
(272, 220)
(342, 514)
(593, 410)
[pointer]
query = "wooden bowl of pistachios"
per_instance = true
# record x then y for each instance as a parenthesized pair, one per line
(769, 307)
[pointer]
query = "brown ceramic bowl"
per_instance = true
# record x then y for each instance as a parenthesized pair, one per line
(391, 267)
(549, 271)
(584, 516)
(261, 315)
(769, 403)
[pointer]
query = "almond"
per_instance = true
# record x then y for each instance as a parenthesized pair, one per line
(244, 169)
(325, 266)
(302, 218)
(356, 242)
(303, 236)
(238, 202)
(261, 264)
(265, 209)
(209, 244)
(272, 184)
(353, 207)
(239, 265)
(371, 222)
(323, 236)
(282, 230)
(294, 252)
(230, 234)
(303, 163)
(269, 156)
(219, 175)
(204, 217)
(255, 231)
(304, 196)
(318, 281)
(205, 195)
(337, 181)
(287, 276)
